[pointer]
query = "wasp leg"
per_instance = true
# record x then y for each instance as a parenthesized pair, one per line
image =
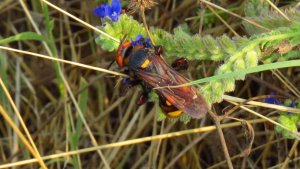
(110, 64)
(126, 84)
(142, 99)
(145, 94)
(180, 64)
(158, 50)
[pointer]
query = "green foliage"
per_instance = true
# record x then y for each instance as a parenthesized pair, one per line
(4, 76)
(160, 116)
(243, 72)
(237, 54)
(126, 26)
(76, 131)
(22, 37)
(258, 11)
(241, 56)
(53, 50)
(289, 120)
(185, 118)
(254, 8)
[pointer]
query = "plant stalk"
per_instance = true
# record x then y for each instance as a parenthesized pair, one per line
(222, 138)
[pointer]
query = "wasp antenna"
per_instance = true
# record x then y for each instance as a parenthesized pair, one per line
(110, 64)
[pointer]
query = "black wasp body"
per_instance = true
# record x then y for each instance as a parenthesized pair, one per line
(145, 66)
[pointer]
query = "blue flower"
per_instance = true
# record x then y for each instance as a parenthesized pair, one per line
(112, 11)
(292, 105)
(272, 100)
(140, 40)
(148, 43)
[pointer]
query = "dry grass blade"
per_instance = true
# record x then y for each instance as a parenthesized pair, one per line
(290, 154)
(198, 139)
(296, 134)
(217, 120)
(249, 133)
(241, 154)
(33, 151)
(80, 119)
(32, 148)
(261, 104)
(286, 82)
(234, 14)
(81, 21)
(278, 10)
(64, 61)
(133, 141)
(223, 21)
(94, 142)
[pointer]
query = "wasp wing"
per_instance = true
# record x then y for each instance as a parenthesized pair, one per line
(184, 98)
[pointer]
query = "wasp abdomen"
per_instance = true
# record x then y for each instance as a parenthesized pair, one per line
(169, 110)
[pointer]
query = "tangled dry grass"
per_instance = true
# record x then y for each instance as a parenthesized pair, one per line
(77, 119)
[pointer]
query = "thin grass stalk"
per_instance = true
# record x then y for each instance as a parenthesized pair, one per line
(295, 134)
(64, 61)
(94, 142)
(81, 21)
(290, 154)
(241, 154)
(187, 148)
(236, 15)
(134, 141)
(278, 10)
(34, 152)
(222, 138)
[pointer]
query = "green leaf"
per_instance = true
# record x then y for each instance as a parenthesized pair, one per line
(51, 44)
(22, 37)
(83, 103)
(260, 68)
(4, 76)
(75, 137)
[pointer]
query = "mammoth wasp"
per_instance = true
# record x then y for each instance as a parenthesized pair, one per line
(145, 66)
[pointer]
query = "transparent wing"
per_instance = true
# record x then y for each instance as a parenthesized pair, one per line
(184, 98)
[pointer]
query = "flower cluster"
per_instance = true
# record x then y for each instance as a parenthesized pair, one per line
(140, 40)
(287, 119)
(112, 11)
(272, 100)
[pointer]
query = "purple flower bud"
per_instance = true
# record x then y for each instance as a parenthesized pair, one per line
(272, 100)
(140, 40)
